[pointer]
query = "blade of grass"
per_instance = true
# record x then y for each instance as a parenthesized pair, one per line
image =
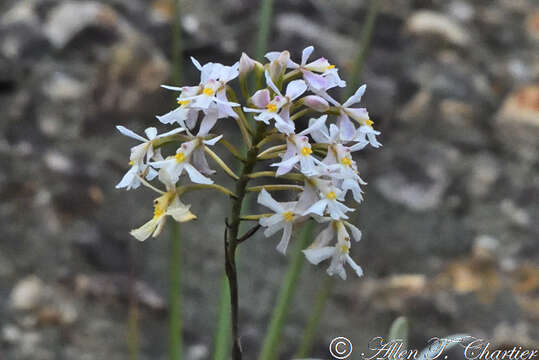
(132, 316)
(318, 309)
(264, 30)
(272, 340)
(222, 335)
(325, 292)
(175, 264)
(364, 44)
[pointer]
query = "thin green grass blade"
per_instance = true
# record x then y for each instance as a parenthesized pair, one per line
(316, 315)
(399, 331)
(175, 265)
(364, 44)
(222, 335)
(272, 340)
(264, 30)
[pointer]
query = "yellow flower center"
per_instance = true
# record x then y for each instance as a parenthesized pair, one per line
(306, 151)
(288, 216)
(369, 122)
(158, 212)
(184, 102)
(130, 162)
(331, 67)
(331, 195)
(345, 249)
(208, 91)
(271, 107)
(346, 161)
(180, 157)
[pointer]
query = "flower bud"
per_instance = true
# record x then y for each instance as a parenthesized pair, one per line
(246, 64)
(278, 66)
(316, 102)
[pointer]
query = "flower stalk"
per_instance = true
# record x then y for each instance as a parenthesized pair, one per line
(232, 240)
(318, 160)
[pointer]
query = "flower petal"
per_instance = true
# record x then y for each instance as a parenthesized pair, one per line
(271, 84)
(305, 54)
(356, 97)
(196, 176)
(316, 256)
(261, 98)
(285, 239)
(295, 88)
(264, 198)
(125, 131)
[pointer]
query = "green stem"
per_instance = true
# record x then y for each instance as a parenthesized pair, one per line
(365, 42)
(222, 336)
(272, 341)
(176, 44)
(175, 324)
(231, 238)
(132, 320)
(316, 314)
(132, 331)
(175, 264)
(264, 29)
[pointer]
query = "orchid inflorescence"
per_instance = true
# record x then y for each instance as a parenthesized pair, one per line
(317, 160)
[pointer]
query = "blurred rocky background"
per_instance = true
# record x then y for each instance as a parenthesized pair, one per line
(450, 220)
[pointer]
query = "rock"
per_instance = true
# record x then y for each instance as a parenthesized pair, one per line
(58, 162)
(522, 106)
(58, 314)
(462, 10)
(517, 215)
(198, 352)
(420, 179)
(70, 17)
(418, 108)
(427, 22)
(27, 293)
(532, 24)
(485, 247)
(62, 87)
(21, 12)
(119, 286)
(11, 334)
(517, 122)
(483, 173)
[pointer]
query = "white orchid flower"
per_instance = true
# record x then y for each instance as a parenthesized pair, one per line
(278, 108)
(365, 135)
(189, 157)
(328, 76)
(167, 204)
(284, 218)
(212, 90)
(344, 122)
(141, 153)
(339, 254)
(299, 150)
(330, 199)
(335, 229)
(185, 115)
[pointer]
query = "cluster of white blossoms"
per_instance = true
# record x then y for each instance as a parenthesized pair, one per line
(318, 159)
